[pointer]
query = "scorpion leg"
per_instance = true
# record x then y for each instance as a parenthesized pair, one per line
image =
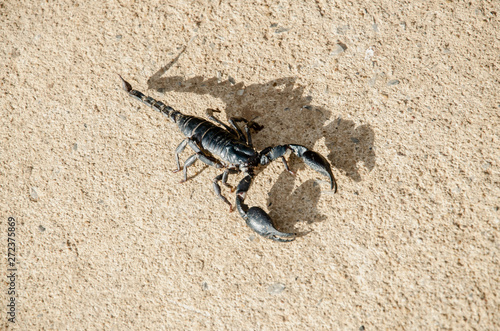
(256, 218)
(209, 112)
(312, 159)
(286, 166)
(248, 125)
(198, 156)
(178, 151)
(189, 162)
(234, 129)
(223, 177)
(192, 159)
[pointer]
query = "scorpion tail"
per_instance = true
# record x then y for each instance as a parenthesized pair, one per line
(125, 85)
(256, 218)
(156, 105)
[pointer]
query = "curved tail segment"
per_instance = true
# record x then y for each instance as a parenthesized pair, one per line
(159, 106)
(256, 218)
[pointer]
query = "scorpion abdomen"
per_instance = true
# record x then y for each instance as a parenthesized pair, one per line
(209, 136)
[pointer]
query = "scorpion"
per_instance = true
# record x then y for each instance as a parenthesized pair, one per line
(236, 154)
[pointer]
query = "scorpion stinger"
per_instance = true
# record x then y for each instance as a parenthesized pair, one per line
(222, 146)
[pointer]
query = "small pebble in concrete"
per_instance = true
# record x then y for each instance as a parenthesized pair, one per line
(276, 288)
(338, 49)
(33, 194)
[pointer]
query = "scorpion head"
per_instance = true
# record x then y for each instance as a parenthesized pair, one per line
(243, 156)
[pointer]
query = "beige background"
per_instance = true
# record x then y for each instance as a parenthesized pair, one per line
(401, 97)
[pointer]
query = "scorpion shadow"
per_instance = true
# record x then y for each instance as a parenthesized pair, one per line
(288, 117)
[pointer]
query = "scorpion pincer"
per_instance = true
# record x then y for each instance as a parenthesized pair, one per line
(227, 147)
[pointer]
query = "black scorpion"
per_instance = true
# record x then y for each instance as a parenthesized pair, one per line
(236, 154)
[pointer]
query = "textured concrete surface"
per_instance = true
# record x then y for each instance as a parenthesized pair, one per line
(401, 97)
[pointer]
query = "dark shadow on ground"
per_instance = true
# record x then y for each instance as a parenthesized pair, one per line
(288, 117)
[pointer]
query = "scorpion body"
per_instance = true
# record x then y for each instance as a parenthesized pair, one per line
(222, 146)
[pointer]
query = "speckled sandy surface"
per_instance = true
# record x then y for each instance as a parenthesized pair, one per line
(401, 97)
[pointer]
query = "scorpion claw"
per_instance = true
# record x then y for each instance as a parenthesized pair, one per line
(259, 221)
(256, 218)
(312, 159)
(316, 162)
